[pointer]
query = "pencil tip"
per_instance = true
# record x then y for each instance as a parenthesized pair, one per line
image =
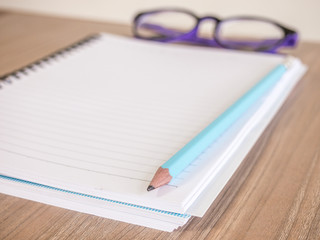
(150, 188)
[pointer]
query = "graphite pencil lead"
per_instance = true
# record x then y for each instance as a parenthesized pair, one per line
(150, 188)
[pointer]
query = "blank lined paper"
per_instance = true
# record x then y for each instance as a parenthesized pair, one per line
(95, 116)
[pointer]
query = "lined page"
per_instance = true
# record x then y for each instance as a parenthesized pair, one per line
(102, 118)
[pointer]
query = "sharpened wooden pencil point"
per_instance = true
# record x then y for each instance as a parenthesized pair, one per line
(161, 177)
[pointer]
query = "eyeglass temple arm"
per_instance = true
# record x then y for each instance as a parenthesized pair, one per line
(289, 41)
(159, 29)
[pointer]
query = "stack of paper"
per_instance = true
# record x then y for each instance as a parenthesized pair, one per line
(87, 128)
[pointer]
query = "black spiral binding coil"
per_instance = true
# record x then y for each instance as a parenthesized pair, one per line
(16, 74)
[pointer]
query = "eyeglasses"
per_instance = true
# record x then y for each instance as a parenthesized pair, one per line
(241, 33)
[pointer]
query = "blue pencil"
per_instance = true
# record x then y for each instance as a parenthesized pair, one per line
(178, 162)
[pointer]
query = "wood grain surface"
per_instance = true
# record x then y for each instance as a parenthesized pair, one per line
(275, 194)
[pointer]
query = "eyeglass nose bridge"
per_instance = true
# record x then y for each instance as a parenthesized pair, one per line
(200, 19)
(203, 19)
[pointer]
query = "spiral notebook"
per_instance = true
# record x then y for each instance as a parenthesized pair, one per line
(86, 127)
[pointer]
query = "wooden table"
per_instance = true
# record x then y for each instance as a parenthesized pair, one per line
(274, 195)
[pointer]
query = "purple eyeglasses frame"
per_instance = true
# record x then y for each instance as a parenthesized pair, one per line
(290, 37)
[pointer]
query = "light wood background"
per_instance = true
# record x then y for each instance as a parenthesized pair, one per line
(274, 195)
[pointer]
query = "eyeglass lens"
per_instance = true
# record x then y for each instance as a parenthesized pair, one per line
(248, 34)
(165, 24)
